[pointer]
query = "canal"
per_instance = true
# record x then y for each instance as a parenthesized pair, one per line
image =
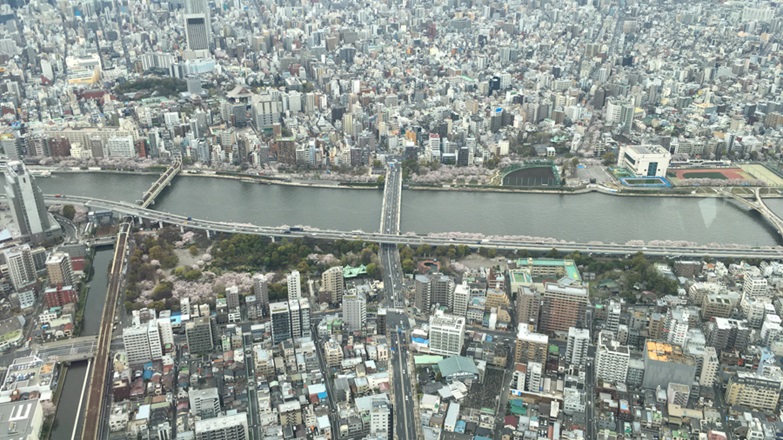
(68, 406)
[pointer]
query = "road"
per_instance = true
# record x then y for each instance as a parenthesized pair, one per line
(252, 390)
(96, 392)
(696, 251)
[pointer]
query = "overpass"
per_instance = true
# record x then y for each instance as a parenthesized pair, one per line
(67, 350)
(758, 205)
(163, 181)
(470, 240)
(101, 366)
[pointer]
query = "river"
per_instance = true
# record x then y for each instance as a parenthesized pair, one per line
(583, 217)
(74, 381)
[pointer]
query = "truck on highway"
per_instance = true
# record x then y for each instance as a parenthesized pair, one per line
(295, 229)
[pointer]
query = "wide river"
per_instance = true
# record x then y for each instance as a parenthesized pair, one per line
(582, 218)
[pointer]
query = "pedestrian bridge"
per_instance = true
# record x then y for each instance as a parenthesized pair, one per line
(757, 204)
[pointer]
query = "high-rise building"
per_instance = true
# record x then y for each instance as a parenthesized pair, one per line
(665, 363)
(196, 7)
(232, 297)
(333, 281)
(200, 335)
(21, 267)
(197, 31)
(611, 359)
(165, 328)
(528, 306)
(709, 367)
(60, 270)
(142, 341)
(294, 283)
(228, 427)
(266, 111)
(676, 325)
(441, 291)
(447, 334)
(563, 307)
(205, 403)
(422, 293)
(727, 334)
(355, 311)
(281, 321)
(27, 204)
(530, 347)
(613, 316)
(578, 342)
(754, 286)
(261, 290)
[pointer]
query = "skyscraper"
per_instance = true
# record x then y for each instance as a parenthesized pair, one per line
(27, 204)
(197, 31)
(281, 321)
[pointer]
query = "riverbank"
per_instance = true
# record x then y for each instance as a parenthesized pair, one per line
(685, 192)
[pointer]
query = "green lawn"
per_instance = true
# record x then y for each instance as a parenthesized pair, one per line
(703, 175)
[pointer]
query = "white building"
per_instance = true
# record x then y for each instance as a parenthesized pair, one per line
(611, 359)
(380, 418)
(578, 342)
(21, 267)
(645, 160)
(355, 311)
(460, 296)
(228, 427)
(754, 286)
(709, 367)
(447, 334)
(165, 328)
(205, 402)
(59, 270)
(142, 341)
(294, 282)
(120, 146)
(333, 281)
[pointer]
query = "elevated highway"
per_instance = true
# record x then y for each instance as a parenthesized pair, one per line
(129, 209)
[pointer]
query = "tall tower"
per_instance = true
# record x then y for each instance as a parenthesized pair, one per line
(197, 31)
(26, 202)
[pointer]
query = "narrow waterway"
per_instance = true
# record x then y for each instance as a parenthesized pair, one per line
(68, 407)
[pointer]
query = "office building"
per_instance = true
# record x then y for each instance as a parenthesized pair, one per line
(21, 267)
(355, 311)
(27, 205)
(611, 359)
(447, 334)
(300, 317)
(266, 111)
(121, 146)
(205, 402)
(232, 297)
(197, 32)
(59, 270)
(142, 341)
(530, 347)
(644, 160)
(333, 282)
(563, 307)
(281, 321)
(578, 342)
(753, 391)
(228, 427)
(200, 333)
(294, 283)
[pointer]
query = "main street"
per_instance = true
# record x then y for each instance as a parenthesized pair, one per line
(396, 323)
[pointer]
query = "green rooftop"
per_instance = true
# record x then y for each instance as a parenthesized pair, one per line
(568, 265)
(427, 359)
(520, 276)
(353, 272)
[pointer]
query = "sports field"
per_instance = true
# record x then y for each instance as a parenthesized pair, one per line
(761, 172)
(648, 182)
(710, 173)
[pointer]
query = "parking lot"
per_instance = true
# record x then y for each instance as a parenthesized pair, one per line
(597, 172)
